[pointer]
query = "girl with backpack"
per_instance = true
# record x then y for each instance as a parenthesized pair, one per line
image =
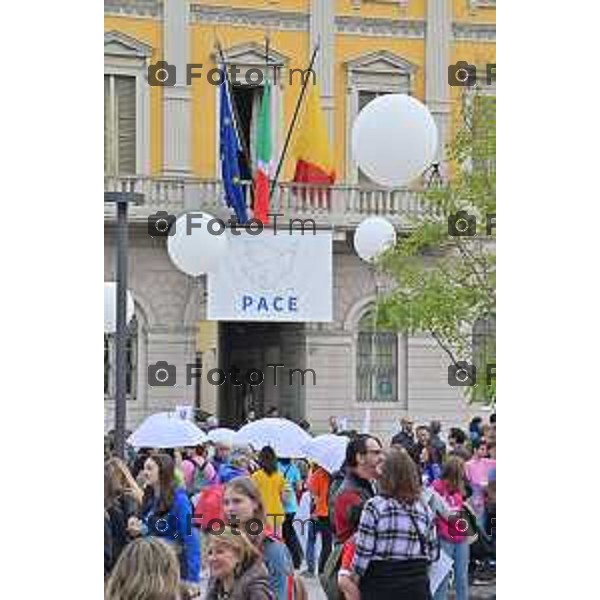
(198, 472)
(451, 487)
(244, 508)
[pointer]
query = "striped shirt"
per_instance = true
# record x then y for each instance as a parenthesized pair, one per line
(386, 532)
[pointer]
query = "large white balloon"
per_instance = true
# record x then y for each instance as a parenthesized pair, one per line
(372, 237)
(394, 139)
(201, 251)
(110, 306)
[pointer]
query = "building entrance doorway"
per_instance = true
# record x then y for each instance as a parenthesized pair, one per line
(254, 346)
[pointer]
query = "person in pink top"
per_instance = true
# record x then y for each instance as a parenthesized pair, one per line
(198, 472)
(451, 487)
(477, 470)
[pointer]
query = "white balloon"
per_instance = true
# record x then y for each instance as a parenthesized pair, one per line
(201, 251)
(394, 139)
(110, 306)
(373, 236)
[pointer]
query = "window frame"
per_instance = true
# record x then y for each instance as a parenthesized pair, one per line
(140, 335)
(128, 57)
(398, 399)
(366, 73)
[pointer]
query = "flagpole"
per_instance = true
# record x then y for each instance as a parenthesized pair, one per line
(293, 122)
(236, 115)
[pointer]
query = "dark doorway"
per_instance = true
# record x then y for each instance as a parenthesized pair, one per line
(254, 346)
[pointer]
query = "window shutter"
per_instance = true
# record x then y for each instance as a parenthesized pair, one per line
(108, 137)
(126, 117)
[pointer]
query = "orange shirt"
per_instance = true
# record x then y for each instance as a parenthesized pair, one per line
(318, 486)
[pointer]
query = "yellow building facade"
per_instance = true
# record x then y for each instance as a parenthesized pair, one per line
(360, 28)
(366, 48)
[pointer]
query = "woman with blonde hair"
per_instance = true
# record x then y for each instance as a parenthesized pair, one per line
(244, 507)
(122, 500)
(236, 568)
(147, 569)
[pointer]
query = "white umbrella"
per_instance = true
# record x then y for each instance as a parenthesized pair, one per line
(221, 435)
(284, 436)
(327, 450)
(166, 430)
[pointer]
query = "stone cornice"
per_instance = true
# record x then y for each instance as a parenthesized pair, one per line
(483, 3)
(485, 32)
(247, 17)
(294, 21)
(136, 8)
(380, 27)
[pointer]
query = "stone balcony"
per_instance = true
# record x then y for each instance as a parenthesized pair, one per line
(340, 207)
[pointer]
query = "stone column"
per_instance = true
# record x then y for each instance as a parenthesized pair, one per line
(177, 99)
(322, 31)
(437, 58)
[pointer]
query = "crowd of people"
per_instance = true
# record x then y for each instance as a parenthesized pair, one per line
(174, 517)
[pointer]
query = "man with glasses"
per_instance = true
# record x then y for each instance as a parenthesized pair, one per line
(364, 458)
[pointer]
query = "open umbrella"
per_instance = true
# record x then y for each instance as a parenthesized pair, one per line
(284, 436)
(166, 430)
(327, 450)
(221, 435)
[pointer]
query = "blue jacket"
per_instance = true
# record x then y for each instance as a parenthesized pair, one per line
(279, 564)
(227, 472)
(177, 529)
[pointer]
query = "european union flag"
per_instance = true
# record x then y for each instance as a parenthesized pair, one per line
(230, 167)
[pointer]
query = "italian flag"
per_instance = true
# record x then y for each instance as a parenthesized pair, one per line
(264, 158)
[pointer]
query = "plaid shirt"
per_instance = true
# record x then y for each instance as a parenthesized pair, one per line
(386, 532)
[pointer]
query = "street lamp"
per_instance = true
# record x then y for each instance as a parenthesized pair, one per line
(122, 200)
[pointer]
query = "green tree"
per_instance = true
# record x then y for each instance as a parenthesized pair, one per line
(445, 284)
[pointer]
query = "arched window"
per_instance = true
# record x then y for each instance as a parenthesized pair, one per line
(131, 360)
(377, 362)
(484, 356)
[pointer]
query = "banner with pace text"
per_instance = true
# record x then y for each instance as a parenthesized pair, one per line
(284, 277)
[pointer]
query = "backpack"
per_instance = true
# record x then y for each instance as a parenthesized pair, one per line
(199, 479)
(295, 587)
(329, 576)
(210, 505)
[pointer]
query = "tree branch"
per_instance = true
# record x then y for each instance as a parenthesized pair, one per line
(445, 348)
